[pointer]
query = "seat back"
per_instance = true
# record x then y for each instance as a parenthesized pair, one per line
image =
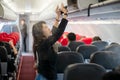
(81, 71)
(3, 61)
(63, 48)
(107, 59)
(86, 50)
(3, 54)
(73, 45)
(114, 48)
(100, 44)
(66, 58)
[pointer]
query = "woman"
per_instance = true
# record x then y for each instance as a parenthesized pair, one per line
(44, 40)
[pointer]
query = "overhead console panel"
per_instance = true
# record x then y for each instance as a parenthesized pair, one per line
(6, 13)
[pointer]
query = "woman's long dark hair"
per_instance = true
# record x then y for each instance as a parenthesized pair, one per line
(37, 35)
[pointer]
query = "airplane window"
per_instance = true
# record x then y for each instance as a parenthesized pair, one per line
(6, 28)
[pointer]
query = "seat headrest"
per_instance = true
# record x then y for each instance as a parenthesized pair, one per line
(73, 45)
(63, 48)
(66, 58)
(100, 44)
(3, 54)
(107, 59)
(80, 71)
(114, 48)
(86, 50)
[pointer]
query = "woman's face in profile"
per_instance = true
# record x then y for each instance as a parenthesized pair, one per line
(46, 30)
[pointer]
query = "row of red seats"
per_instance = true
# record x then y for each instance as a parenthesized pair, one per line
(64, 41)
(14, 36)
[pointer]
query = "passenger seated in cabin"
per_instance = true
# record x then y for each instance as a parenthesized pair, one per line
(11, 62)
(9, 46)
(4, 58)
(13, 47)
(73, 44)
(113, 75)
(71, 37)
(44, 40)
(97, 38)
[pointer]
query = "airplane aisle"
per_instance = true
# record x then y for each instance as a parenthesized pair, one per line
(26, 71)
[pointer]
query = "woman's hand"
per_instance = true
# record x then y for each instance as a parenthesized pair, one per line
(58, 11)
(14, 49)
(57, 17)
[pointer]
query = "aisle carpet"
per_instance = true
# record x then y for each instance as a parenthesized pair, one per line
(27, 72)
